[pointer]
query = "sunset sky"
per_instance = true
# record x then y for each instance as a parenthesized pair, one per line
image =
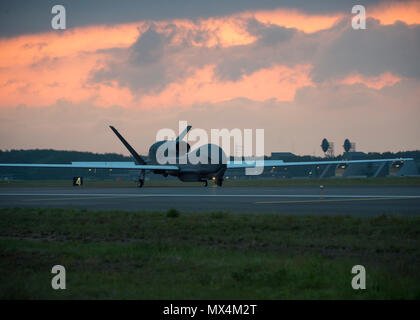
(294, 68)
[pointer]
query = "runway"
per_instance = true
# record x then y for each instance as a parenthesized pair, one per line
(356, 201)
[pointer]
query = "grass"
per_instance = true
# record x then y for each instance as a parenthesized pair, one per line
(310, 182)
(218, 255)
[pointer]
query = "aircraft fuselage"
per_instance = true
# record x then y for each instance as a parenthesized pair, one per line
(192, 172)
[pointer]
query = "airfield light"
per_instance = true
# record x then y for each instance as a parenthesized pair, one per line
(274, 167)
(110, 169)
(90, 170)
(214, 178)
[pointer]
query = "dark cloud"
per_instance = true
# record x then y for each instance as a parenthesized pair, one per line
(147, 65)
(150, 47)
(379, 48)
(334, 53)
(273, 46)
(27, 16)
(155, 60)
(268, 34)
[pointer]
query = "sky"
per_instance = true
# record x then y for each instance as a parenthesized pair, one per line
(296, 69)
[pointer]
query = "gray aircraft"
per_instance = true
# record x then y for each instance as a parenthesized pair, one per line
(187, 171)
(213, 169)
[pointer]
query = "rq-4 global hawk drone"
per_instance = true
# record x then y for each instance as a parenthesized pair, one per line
(186, 170)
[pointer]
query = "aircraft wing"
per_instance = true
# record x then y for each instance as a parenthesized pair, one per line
(281, 163)
(94, 165)
(230, 165)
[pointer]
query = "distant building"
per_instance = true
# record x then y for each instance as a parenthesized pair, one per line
(282, 156)
(354, 155)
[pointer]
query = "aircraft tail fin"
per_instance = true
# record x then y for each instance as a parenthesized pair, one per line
(139, 159)
(183, 133)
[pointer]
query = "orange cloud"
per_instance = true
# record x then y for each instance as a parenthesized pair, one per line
(390, 12)
(107, 95)
(222, 31)
(43, 68)
(384, 79)
(279, 83)
(40, 69)
(291, 18)
(29, 49)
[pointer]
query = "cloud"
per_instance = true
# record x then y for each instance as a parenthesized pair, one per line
(149, 64)
(164, 58)
(297, 19)
(258, 55)
(26, 17)
(377, 82)
(277, 83)
(377, 120)
(269, 48)
(295, 69)
(394, 48)
(389, 12)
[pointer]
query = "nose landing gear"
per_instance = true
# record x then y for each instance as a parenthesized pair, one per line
(219, 182)
(205, 183)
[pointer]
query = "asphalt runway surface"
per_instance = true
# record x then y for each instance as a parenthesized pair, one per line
(355, 201)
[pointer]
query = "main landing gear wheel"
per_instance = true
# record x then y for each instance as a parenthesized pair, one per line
(205, 183)
(141, 178)
(219, 182)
